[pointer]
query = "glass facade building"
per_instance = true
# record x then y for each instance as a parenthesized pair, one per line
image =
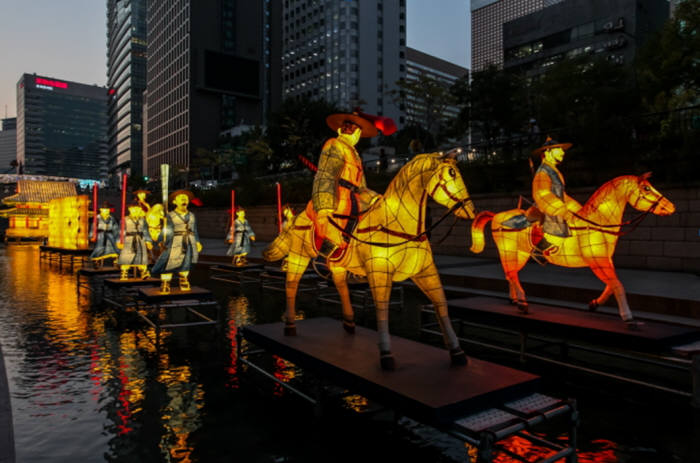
(61, 128)
(350, 53)
(211, 66)
(126, 80)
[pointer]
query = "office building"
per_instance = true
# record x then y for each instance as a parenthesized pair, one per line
(61, 128)
(612, 29)
(350, 53)
(126, 80)
(211, 66)
(8, 145)
(420, 110)
(488, 17)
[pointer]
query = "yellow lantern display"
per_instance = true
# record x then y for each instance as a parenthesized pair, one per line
(388, 245)
(593, 234)
(68, 222)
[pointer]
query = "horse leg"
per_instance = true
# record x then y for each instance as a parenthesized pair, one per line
(428, 281)
(600, 300)
(512, 261)
(604, 270)
(339, 279)
(380, 284)
(296, 266)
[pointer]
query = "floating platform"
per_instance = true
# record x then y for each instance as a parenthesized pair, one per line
(481, 403)
(580, 324)
(151, 301)
(118, 283)
(93, 272)
(249, 273)
(424, 385)
(153, 295)
(566, 329)
(61, 255)
(274, 278)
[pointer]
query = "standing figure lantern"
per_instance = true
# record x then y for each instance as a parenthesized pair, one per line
(239, 237)
(383, 238)
(137, 242)
(564, 233)
(182, 245)
(105, 236)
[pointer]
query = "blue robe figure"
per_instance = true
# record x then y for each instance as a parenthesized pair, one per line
(182, 244)
(243, 234)
(137, 242)
(107, 232)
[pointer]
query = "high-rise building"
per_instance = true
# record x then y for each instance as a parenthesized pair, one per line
(61, 128)
(422, 65)
(211, 65)
(488, 17)
(126, 80)
(8, 144)
(350, 53)
(613, 29)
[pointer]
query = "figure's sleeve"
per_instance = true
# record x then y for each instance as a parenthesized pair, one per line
(144, 231)
(572, 204)
(249, 229)
(329, 168)
(546, 201)
(194, 228)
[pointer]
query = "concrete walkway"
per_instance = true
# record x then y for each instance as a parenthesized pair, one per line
(7, 440)
(671, 296)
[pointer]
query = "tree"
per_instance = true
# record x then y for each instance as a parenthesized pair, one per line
(424, 101)
(668, 66)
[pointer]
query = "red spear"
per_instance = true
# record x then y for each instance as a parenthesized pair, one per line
(233, 213)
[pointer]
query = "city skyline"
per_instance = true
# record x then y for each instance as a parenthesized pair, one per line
(80, 53)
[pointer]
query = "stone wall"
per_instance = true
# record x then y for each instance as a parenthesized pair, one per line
(658, 243)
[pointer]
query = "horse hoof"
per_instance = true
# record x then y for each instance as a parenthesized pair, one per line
(593, 305)
(458, 357)
(634, 325)
(386, 359)
(290, 330)
(523, 307)
(349, 327)
(513, 302)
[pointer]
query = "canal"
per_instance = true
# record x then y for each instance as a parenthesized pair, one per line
(90, 385)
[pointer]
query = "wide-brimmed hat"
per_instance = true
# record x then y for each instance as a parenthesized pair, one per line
(141, 191)
(551, 144)
(188, 193)
(137, 204)
(335, 121)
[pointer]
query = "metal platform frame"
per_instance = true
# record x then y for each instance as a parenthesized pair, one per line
(361, 296)
(275, 281)
(59, 256)
(94, 282)
(484, 429)
(237, 275)
(674, 359)
(149, 308)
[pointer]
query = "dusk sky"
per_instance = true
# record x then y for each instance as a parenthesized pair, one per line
(66, 39)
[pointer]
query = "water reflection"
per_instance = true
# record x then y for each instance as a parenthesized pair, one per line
(90, 385)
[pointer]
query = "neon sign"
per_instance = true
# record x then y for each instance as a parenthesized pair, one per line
(50, 83)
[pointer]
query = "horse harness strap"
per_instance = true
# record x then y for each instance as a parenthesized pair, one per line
(388, 231)
(346, 184)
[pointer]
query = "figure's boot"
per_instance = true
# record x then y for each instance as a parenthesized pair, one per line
(145, 274)
(124, 272)
(165, 283)
(542, 250)
(184, 282)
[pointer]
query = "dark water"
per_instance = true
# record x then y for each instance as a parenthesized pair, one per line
(89, 385)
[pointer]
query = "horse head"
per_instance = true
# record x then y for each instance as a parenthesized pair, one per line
(644, 197)
(447, 187)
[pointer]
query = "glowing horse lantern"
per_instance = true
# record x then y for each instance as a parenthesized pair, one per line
(388, 245)
(594, 234)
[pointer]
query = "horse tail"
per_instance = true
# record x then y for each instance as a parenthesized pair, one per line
(480, 221)
(279, 248)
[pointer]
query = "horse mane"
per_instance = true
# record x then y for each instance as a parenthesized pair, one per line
(416, 166)
(602, 193)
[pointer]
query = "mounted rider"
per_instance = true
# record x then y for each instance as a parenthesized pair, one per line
(340, 192)
(551, 200)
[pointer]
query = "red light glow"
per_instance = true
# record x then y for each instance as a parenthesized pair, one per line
(50, 83)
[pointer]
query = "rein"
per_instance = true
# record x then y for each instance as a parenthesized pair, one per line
(407, 237)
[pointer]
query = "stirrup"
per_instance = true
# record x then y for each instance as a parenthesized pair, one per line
(327, 249)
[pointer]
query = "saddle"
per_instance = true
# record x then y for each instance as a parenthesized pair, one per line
(348, 225)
